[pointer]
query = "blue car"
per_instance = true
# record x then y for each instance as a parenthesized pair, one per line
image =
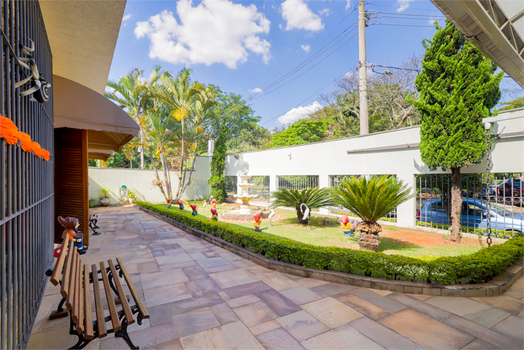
(473, 214)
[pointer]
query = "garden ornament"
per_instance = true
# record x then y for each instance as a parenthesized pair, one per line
(257, 222)
(71, 229)
(214, 213)
(169, 202)
(214, 203)
(304, 209)
(38, 86)
(205, 203)
(346, 225)
(271, 214)
(326, 221)
(194, 207)
(181, 205)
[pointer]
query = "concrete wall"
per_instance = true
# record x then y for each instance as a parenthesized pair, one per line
(140, 181)
(391, 152)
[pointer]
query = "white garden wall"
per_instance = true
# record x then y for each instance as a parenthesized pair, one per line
(140, 181)
(391, 152)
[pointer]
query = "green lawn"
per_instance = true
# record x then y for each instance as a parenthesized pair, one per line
(394, 240)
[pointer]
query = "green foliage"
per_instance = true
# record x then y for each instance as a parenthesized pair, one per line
(218, 163)
(104, 192)
(301, 132)
(473, 230)
(518, 103)
(251, 137)
(478, 267)
(457, 90)
(312, 197)
(372, 198)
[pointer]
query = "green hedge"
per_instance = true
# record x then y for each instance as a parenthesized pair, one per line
(478, 267)
(473, 230)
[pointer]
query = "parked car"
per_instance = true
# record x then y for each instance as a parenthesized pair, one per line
(510, 188)
(490, 192)
(473, 214)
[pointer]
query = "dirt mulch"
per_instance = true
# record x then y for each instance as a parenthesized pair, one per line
(423, 238)
(275, 218)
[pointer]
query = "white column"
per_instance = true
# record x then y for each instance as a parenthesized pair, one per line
(406, 211)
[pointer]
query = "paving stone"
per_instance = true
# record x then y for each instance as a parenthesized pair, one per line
(193, 289)
(210, 254)
(512, 326)
(382, 335)
(479, 344)
(341, 338)
(179, 265)
(163, 278)
(508, 304)
(148, 267)
(212, 262)
(194, 272)
(329, 289)
(278, 302)
(55, 339)
(302, 325)
(245, 289)
(223, 268)
(145, 338)
(255, 313)
(158, 253)
(207, 285)
(332, 312)
(309, 282)
(277, 281)
(170, 345)
(300, 295)
(230, 336)
(362, 306)
(195, 303)
(195, 321)
(230, 279)
(425, 330)
(420, 306)
(166, 294)
(159, 315)
(230, 256)
(224, 314)
(244, 300)
(173, 259)
(264, 327)
(279, 339)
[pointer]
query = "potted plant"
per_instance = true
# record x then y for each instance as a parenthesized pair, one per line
(131, 197)
(92, 202)
(104, 196)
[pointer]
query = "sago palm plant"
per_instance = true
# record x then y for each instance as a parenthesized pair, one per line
(370, 199)
(312, 197)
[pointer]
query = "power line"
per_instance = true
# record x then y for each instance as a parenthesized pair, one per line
(402, 25)
(390, 67)
(411, 8)
(411, 14)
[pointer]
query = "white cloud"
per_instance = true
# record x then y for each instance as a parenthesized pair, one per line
(306, 47)
(257, 90)
(325, 12)
(214, 31)
(403, 5)
(126, 17)
(299, 113)
(348, 4)
(299, 16)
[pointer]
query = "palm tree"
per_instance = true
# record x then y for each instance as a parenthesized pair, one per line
(312, 197)
(370, 199)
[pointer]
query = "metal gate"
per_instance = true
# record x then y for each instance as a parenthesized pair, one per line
(26, 193)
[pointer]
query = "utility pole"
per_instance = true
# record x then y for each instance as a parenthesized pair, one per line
(362, 86)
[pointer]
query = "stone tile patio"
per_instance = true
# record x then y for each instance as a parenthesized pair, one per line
(203, 297)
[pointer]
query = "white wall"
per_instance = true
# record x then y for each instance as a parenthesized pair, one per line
(391, 152)
(140, 180)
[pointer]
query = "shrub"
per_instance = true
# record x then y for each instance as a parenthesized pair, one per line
(478, 267)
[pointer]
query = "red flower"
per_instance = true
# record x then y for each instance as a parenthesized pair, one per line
(8, 131)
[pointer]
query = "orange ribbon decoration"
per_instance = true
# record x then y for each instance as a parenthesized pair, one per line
(9, 132)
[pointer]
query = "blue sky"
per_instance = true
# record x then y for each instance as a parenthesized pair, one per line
(249, 47)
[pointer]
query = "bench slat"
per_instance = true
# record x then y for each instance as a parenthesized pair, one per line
(57, 270)
(110, 301)
(76, 299)
(72, 282)
(88, 312)
(80, 322)
(138, 301)
(121, 294)
(100, 319)
(64, 288)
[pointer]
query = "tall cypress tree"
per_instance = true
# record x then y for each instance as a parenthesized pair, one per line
(218, 163)
(457, 90)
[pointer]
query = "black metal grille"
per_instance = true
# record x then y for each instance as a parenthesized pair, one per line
(26, 195)
(297, 182)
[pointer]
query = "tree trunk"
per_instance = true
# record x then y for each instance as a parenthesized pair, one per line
(186, 183)
(369, 238)
(165, 169)
(142, 141)
(456, 205)
(156, 173)
(181, 162)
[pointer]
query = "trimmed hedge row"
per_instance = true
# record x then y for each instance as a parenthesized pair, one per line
(478, 267)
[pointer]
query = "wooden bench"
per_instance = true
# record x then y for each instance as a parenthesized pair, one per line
(75, 278)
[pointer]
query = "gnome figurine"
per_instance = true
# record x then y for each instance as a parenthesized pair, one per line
(214, 214)
(194, 207)
(257, 222)
(346, 225)
(181, 206)
(71, 229)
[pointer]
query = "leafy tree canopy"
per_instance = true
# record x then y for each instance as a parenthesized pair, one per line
(518, 103)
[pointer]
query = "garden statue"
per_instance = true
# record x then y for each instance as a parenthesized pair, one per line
(214, 214)
(347, 226)
(169, 202)
(257, 222)
(194, 207)
(326, 221)
(271, 214)
(214, 203)
(304, 209)
(181, 205)
(204, 204)
(71, 229)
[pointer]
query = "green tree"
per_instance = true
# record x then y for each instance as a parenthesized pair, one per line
(218, 163)
(300, 132)
(518, 103)
(457, 90)
(370, 199)
(312, 197)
